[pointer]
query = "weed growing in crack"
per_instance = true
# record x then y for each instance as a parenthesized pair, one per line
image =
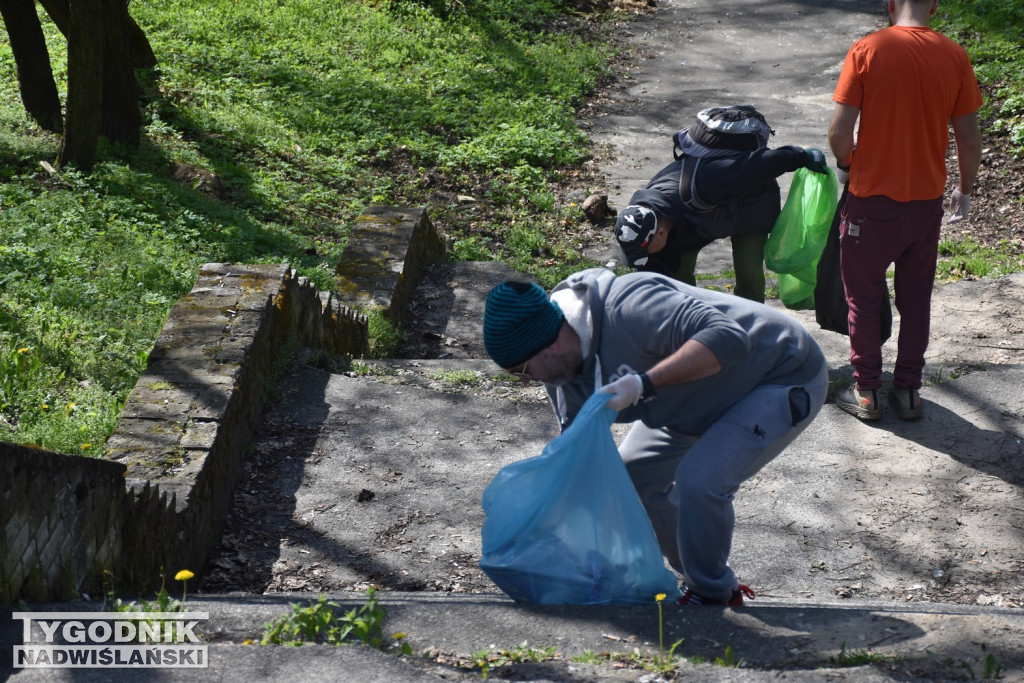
(319, 623)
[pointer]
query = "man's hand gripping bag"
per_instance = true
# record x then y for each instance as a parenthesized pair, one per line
(568, 528)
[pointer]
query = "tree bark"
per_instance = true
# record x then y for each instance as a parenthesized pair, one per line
(121, 119)
(140, 51)
(35, 77)
(86, 48)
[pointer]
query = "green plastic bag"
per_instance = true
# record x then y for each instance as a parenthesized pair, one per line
(799, 234)
(796, 290)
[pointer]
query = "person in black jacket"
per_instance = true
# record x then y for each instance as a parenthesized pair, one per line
(705, 195)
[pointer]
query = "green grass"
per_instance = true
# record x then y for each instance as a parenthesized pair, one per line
(283, 122)
(992, 31)
(855, 658)
(965, 258)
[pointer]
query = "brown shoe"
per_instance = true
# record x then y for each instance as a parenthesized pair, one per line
(906, 402)
(861, 404)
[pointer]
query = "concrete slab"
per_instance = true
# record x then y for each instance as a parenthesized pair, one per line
(446, 314)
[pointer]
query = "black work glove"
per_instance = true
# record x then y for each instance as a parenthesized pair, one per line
(816, 160)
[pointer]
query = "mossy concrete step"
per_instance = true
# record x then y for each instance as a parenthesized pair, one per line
(387, 252)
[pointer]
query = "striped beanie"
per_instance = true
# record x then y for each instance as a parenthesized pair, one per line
(519, 322)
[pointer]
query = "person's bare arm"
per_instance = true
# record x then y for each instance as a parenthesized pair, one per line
(840, 133)
(967, 135)
(688, 363)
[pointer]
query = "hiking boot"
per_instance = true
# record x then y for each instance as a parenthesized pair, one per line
(862, 404)
(906, 402)
(735, 600)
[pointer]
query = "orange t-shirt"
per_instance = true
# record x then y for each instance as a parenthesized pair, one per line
(908, 82)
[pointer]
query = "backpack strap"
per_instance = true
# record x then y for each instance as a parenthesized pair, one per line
(677, 144)
(688, 185)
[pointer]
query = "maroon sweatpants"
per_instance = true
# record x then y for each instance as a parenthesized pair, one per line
(875, 232)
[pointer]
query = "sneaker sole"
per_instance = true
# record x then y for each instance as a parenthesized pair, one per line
(860, 412)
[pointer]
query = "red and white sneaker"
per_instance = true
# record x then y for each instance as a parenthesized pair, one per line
(735, 600)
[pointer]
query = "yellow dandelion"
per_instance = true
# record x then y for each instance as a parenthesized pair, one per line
(85, 446)
(397, 635)
(184, 575)
(46, 406)
(659, 597)
(24, 349)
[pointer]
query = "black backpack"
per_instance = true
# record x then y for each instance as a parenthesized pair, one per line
(739, 127)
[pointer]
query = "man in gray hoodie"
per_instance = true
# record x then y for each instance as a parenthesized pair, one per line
(718, 386)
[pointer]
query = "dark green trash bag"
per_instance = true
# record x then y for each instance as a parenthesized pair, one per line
(799, 234)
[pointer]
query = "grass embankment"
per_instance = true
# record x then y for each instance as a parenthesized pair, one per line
(270, 126)
(992, 31)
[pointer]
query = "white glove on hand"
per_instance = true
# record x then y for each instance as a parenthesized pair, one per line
(842, 176)
(959, 206)
(627, 390)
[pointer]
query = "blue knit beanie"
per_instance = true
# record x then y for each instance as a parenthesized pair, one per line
(519, 322)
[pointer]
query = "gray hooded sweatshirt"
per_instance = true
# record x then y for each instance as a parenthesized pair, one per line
(631, 322)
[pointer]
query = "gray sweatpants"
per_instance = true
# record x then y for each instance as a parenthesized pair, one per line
(687, 483)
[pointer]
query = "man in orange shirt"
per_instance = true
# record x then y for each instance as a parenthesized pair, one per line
(907, 84)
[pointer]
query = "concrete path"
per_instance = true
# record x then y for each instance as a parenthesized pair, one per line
(782, 57)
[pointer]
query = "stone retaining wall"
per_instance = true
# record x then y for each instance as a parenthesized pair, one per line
(156, 503)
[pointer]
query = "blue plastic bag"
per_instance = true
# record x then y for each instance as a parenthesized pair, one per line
(568, 528)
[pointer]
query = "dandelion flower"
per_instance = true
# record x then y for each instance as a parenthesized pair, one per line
(659, 597)
(86, 446)
(184, 575)
(23, 349)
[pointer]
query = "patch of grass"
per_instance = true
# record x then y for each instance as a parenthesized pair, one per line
(990, 668)
(942, 374)
(966, 259)
(728, 273)
(384, 336)
(467, 378)
(471, 249)
(589, 657)
(992, 31)
(485, 660)
(854, 658)
(319, 623)
(163, 603)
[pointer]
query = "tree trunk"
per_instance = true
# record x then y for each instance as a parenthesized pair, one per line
(140, 52)
(86, 47)
(121, 118)
(35, 77)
